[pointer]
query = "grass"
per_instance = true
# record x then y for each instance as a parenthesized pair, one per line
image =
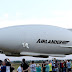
(15, 65)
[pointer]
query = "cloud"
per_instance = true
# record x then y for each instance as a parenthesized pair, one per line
(57, 21)
(58, 18)
(62, 13)
(5, 15)
(19, 14)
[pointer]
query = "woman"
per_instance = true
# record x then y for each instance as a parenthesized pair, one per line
(46, 68)
(38, 68)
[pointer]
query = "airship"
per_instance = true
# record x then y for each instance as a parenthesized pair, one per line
(35, 40)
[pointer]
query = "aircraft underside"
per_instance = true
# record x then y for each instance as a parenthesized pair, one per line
(41, 55)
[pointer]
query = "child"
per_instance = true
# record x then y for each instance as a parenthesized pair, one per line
(19, 69)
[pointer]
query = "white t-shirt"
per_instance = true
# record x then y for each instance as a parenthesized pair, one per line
(33, 67)
(19, 69)
(7, 68)
(0, 68)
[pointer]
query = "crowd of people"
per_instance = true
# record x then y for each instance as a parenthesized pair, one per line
(46, 66)
(57, 66)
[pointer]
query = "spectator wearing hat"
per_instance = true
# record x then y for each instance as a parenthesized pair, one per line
(38, 68)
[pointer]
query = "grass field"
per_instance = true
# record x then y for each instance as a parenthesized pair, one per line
(15, 65)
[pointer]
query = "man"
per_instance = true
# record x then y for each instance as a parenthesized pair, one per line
(3, 68)
(33, 67)
(52, 64)
(19, 69)
(43, 66)
(50, 67)
(64, 66)
(0, 65)
(56, 66)
(8, 65)
(61, 65)
(46, 67)
(24, 66)
(69, 66)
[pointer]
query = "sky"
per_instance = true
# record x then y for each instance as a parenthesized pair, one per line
(44, 12)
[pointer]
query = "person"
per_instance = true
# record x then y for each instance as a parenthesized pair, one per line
(46, 67)
(43, 66)
(56, 66)
(38, 68)
(69, 66)
(61, 65)
(52, 64)
(9, 68)
(24, 65)
(33, 67)
(8, 65)
(47, 62)
(1, 62)
(0, 67)
(19, 69)
(50, 67)
(3, 68)
(64, 66)
(54, 70)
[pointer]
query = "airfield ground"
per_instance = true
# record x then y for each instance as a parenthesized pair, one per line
(15, 65)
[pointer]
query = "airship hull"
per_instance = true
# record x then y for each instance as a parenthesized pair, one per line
(36, 39)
